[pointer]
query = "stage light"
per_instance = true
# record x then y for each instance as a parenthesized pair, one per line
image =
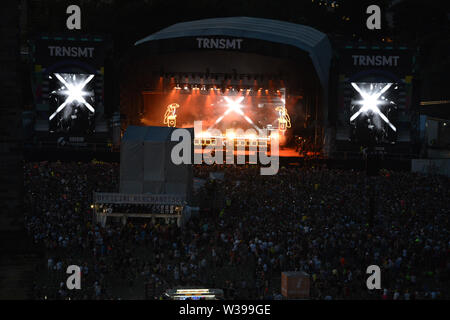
(205, 134)
(234, 105)
(73, 91)
(231, 135)
(192, 291)
(371, 102)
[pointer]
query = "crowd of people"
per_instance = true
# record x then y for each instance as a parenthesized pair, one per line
(331, 224)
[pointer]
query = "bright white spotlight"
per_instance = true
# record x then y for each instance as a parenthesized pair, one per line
(231, 135)
(370, 102)
(74, 92)
(232, 105)
(235, 106)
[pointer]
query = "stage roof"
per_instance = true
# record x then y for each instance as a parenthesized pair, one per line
(303, 37)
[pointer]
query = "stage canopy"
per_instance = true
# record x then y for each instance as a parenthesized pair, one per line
(305, 38)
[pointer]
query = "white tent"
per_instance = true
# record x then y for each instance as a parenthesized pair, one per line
(146, 166)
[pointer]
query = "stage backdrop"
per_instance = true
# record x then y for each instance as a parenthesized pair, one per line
(145, 164)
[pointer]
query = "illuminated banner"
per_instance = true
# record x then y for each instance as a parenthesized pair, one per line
(121, 198)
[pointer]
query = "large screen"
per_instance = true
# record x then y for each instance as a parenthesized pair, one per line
(374, 112)
(71, 103)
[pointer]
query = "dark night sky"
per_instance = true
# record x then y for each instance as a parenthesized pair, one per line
(414, 23)
(129, 20)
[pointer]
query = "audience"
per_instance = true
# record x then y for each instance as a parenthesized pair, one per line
(249, 229)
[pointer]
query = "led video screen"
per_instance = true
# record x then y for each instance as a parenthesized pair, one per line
(71, 103)
(374, 112)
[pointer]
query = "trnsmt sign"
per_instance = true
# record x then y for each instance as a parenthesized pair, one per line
(365, 60)
(76, 52)
(217, 43)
